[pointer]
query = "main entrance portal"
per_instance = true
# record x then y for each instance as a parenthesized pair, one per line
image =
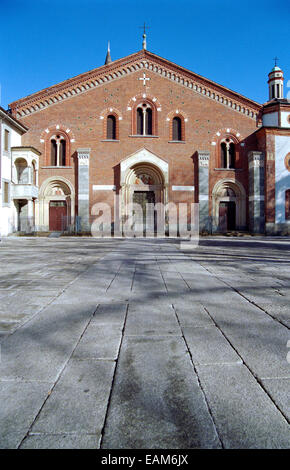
(143, 183)
(145, 219)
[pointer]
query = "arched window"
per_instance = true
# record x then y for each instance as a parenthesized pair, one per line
(140, 121)
(148, 121)
(111, 127)
(144, 119)
(228, 154)
(58, 150)
(176, 128)
(287, 204)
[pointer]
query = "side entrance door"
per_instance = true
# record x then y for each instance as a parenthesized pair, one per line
(57, 216)
(227, 216)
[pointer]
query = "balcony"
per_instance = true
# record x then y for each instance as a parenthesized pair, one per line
(24, 191)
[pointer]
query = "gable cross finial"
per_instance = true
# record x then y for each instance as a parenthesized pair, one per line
(144, 44)
(276, 60)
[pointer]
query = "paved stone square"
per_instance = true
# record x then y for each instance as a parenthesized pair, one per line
(138, 344)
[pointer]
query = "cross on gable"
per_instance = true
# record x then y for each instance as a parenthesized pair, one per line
(144, 78)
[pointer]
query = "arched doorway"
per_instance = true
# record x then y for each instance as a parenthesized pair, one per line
(144, 185)
(228, 206)
(144, 180)
(56, 205)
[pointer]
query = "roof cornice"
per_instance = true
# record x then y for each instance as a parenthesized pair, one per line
(12, 120)
(130, 64)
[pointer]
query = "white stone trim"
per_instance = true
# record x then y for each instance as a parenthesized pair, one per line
(256, 197)
(203, 197)
(143, 156)
(104, 187)
(182, 188)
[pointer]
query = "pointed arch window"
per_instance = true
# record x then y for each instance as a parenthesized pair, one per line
(111, 127)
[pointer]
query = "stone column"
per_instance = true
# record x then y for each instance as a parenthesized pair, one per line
(256, 192)
(30, 216)
(203, 185)
(83, 189)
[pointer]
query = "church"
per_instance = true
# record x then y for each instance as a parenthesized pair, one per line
(144, 129)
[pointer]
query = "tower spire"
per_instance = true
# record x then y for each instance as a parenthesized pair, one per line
(108, 56)
(275, 82)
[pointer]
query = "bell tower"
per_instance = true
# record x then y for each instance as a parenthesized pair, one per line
(275, 82)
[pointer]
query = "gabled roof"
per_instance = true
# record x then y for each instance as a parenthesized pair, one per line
(12, 121)
(127, 65)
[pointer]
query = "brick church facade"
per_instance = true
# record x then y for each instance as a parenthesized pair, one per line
(145, 129)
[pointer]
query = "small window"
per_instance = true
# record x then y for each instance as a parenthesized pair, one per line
(148, 121)
(287, 204)
(232, 155)
(111, 127)
(228, 154)
(176, 128)
(139, 121)
(144, 118)
(53, 152)
(58, 151)
(6, 193)
(6, 140)
(62, 147)
(223, 155)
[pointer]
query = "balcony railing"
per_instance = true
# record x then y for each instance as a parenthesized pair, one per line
(20, 191)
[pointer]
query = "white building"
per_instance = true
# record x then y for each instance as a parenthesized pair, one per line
(18, 177)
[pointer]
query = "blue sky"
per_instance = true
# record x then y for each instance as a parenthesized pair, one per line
(44, 42)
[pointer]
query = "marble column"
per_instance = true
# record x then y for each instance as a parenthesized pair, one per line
(256, 192)
(203, 191)
(30, 215)
(83, 189)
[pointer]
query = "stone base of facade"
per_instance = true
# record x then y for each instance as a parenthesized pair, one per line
(277, 229)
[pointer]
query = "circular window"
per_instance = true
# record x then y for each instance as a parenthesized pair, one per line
(287, 161)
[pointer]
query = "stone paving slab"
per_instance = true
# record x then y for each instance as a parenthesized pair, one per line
(112, 314)
(20, 403)
(61, 441)
(151, 320)
(78, 403)
(245, 416)
(156, 400)
(209, 346)
(191, 313)
(263, 348)
(279, 390)
(99, 342)
(40, 349)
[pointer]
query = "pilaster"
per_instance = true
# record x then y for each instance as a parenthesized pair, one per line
(256, 192)
(203, 190)
(83, 188)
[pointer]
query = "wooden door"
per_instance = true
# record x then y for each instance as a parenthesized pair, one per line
(147, 222)
(57, 216)
(227, 216)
